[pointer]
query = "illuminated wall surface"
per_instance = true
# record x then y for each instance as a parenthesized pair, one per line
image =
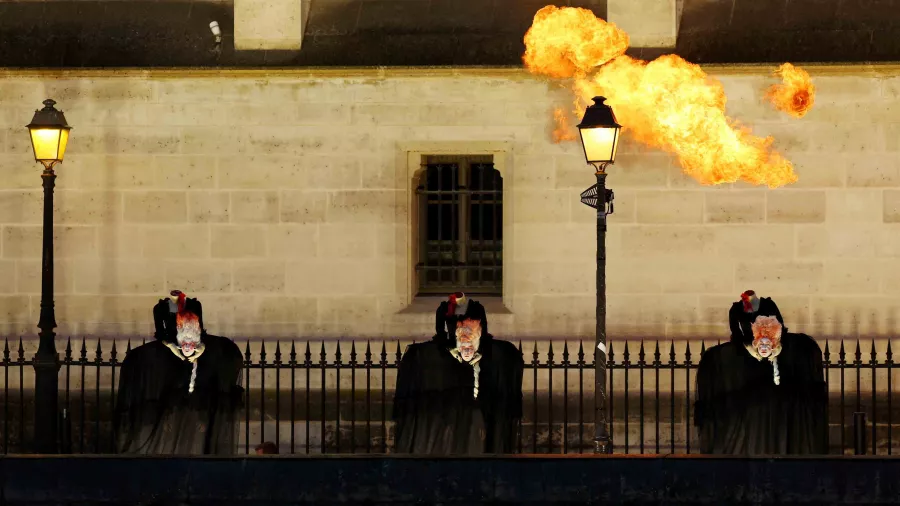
(281, 199)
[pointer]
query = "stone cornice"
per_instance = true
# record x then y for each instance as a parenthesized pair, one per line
(888, 69)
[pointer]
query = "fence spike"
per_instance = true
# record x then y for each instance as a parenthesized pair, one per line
(609, 356)
(874, 355)
(277, 352)
(112, 352)
(68, 354)
(565, 360)
(858, 354)
(641, 354)
(308, 356)
(889, 354)
(626, 354)
(534, 355)
(293, 354)
(383, 362)
(262, 353)
(399, 354)
(656, 355)
(842, 355)
(687, 353)
(353, 353)
(247, 352)
(827, 353)
(6, 349)
(337, 353)
(702, 348)
(580, 352)
(368, 354)
(322, 356)
(550, 354)
(21, 351)
(672, 351)
(128, 346)
(98, 355)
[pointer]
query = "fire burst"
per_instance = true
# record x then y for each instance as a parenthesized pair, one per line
(668, 103)
(796, 94)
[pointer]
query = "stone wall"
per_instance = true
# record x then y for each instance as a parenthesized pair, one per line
(282, 200)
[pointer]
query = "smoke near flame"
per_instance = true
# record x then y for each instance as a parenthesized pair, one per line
(796, 93)
(669, 103)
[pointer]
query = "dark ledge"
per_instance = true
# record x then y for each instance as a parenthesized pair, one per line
(350, 33)
(282, 480)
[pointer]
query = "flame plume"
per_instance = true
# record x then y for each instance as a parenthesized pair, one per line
(796, 93)
(668, 103)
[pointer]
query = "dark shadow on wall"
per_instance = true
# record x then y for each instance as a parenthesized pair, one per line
(164, 33)
(748, 31)
(133, 33)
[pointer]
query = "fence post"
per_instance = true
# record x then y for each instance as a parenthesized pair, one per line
(859, 433)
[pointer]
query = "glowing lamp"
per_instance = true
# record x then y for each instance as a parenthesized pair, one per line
(599, 133)
(49, 135)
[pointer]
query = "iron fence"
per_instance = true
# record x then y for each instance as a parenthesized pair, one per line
(335, 396)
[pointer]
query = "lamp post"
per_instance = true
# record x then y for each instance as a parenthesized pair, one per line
(49, 137)
(600, 140)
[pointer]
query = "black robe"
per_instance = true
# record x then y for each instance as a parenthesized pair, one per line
(155, 412)
(739, 410)
(435, 411)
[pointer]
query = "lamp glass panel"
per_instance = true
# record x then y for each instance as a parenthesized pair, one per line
(600, 144)
(64, 141)
(46, 143)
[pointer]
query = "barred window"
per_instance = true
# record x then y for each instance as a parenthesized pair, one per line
(460, 226)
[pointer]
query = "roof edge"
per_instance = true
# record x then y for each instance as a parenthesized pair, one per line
(882, 69)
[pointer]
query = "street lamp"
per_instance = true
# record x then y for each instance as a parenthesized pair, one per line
(49, 138)
(600, 140)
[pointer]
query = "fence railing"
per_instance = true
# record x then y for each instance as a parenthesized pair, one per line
(334, 396)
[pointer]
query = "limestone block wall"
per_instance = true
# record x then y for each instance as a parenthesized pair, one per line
(282, 200)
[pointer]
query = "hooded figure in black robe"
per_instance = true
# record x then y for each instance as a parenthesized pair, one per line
(459, 394)
(180, 394)
(764, 392)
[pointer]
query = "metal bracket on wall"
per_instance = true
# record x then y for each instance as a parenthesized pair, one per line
(589, 198)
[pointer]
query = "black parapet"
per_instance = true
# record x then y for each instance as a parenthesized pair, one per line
(329, 480)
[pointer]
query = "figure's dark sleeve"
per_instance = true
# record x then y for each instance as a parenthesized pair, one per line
(440, 321)
(718, 390)
(503, 401)
(230, 403)
(123, 413)
(809, 420)
(734, 321)
(404, 398)
(514, 398)
(139, 401)
(160, 313)
(771, 309)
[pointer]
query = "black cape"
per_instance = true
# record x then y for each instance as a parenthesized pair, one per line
(434, 409)
(739, 410)
(157, 415)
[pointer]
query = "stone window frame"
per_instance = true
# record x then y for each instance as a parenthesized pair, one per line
(413, 155)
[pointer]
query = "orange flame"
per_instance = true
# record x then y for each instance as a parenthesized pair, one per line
(796, 93)
(563, 42)
(668, 103)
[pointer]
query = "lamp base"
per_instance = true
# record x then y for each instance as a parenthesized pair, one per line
(602, 446)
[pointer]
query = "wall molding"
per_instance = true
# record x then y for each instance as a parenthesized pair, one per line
(888, 69)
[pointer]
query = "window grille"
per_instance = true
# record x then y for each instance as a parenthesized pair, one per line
(460, 226)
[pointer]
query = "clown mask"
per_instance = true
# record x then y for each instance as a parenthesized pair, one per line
(188, 336)
(468, 338)
(766, 335)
